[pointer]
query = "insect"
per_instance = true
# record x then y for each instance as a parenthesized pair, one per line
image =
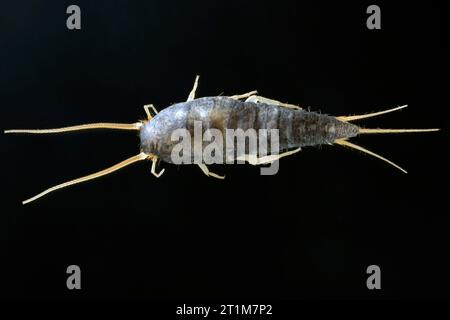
(297, 128)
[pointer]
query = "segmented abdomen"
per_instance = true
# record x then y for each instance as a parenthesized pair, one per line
(296, 128)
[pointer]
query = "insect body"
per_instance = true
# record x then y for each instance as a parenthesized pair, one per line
(296, 127)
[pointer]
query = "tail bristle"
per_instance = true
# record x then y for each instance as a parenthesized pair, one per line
(344, 142)
(380, 130)
(369, 115)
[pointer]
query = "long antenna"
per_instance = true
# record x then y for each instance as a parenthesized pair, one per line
(343, 142)
(120, 165)
(100, 125)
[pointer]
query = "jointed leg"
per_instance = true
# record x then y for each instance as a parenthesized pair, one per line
(259, 99)
(147, 108)
(192, 94)
(254, 160)
(208, 173)
(271, 158)
(245, 95)
(154, 160)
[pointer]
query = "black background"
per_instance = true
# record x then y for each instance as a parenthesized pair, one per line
(308, 232)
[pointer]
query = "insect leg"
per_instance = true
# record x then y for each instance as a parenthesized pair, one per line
(254, 160)
(245, 95)
(154, 161)
(192, 93)
(208, 173)
(259, 99)
(147, 108)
